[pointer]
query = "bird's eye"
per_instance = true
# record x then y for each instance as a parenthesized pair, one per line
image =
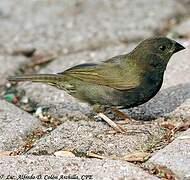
(162, 48)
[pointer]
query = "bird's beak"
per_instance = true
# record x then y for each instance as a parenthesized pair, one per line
(178, 47)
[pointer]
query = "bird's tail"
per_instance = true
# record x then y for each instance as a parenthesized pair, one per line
(44, 78)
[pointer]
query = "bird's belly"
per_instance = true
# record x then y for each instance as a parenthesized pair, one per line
(140, 95)
(135, 98)
(97, 94)
(103, 95)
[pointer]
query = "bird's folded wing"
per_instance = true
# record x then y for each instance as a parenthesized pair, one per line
(111, 75)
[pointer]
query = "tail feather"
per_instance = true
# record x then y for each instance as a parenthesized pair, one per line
(45, 78)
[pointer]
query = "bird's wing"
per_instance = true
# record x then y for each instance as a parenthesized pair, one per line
(107, 74)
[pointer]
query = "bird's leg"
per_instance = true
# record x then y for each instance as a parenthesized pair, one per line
(122, 115)
(100, 110)
(116, 127)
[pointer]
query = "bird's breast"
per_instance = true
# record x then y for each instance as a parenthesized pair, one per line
(148, 88)
(151, 84)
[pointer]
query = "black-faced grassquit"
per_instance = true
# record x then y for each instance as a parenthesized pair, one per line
(123, 81)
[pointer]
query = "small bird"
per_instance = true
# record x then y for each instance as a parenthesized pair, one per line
(123, 81)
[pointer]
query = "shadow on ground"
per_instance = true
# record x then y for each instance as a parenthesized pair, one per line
(165, 102)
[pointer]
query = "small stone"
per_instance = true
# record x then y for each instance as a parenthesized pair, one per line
(64, 153)
(69, 25)
(49, 129)
(38, 112)
(183, 137)
(65, 51)
(92, 54)
(25, 100)
(8, 85)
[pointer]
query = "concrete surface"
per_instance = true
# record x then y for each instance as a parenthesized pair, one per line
(90, 31)
(15, 125)
(58, 167)
(78, 25)
(88, 136)
(175, 156)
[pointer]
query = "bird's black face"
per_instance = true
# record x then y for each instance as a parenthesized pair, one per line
(162, 46)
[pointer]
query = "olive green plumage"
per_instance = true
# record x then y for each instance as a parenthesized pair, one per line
(123, 81)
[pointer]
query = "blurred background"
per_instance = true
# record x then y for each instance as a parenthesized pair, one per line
(70, 26)
(63, 27)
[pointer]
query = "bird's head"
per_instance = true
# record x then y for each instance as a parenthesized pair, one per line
(161, 46)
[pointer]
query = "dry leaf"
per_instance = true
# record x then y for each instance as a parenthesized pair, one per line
(137, 157)
(182, 127)
(168, 125)
(28, 52)
(163, 172)
(93, 155)
(64, 154)
(168, 135)
(38, 132)
(5, 153)
(42, 58)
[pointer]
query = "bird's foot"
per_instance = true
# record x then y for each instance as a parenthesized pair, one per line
(122, 115)
(116, 127)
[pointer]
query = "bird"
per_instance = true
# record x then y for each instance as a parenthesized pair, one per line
(122, 82)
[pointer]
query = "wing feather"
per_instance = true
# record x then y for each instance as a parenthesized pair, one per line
(107, 74)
